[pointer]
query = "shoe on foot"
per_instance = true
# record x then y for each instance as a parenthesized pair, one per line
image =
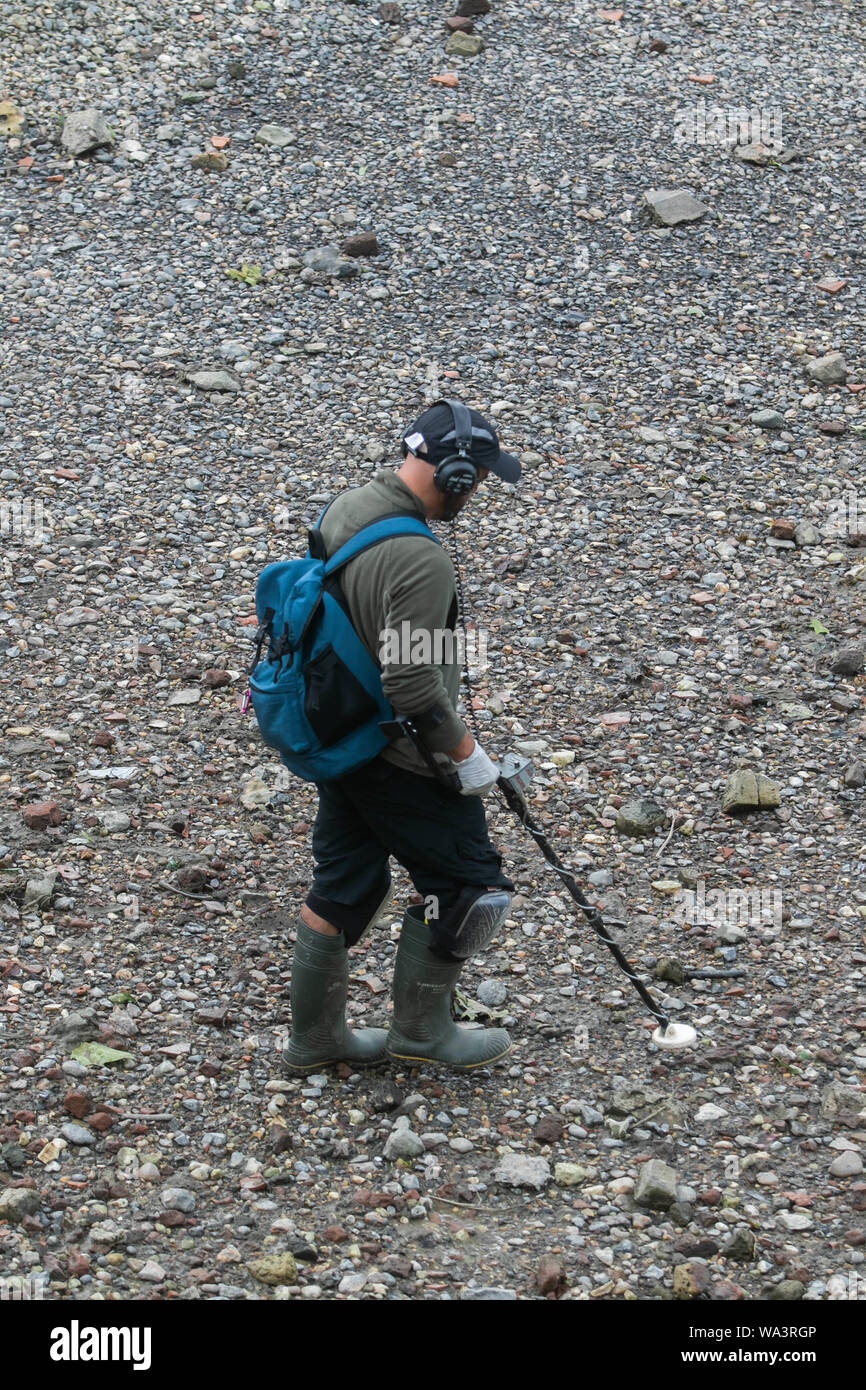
(320, 982)
(423, 1029)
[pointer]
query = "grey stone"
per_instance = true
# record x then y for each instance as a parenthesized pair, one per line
(848, 661)
(669, 206)
(177, 1199)
(656, 1185)
(488, 1295)
(18, 1202)
(38, 892)
(464, 45)
(216, 381)
(492, 993)
(836, 1096)
(805, 533)
(327, 260)
(113, 821)
(767, 419)
(277, 136)
(77, 1134)
(740, 1245)
(829, 370)
(640, 818)
(520, 1170)
(846, 1165)
(85, 131)
(855, 775)
(402, 1142)
(749, 791)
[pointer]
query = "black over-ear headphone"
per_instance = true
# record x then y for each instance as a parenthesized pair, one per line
(457, 474)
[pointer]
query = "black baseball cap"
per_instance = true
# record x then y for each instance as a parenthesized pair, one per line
(435, 429)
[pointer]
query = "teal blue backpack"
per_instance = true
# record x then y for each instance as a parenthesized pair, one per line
(317, 693)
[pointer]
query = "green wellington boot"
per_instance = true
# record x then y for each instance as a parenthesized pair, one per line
(320, 980)
(423, 1029)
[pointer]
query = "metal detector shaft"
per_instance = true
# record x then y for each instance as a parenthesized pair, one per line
(509, 786)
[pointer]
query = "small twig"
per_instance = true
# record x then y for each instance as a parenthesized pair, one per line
(715, 974)
(143, 1115)
(669, 834)
(196, 897)
(473, 1206)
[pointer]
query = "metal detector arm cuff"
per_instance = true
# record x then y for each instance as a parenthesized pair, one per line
(406, 726)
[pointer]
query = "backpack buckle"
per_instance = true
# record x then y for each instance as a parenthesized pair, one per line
(263, 631)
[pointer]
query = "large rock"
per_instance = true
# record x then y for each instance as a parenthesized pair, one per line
(670, 206)
(39, 891)
(828, 370)
(848, 661)
(39, 815)
(767, 419)
(749, 791)
(520, 1170)
(327, 260)
(837, 1097)
(78, 1027)
(640, 818)
(691, 1279)
(275, 1269)
(18, 1202)
(361, 244)
(402, 1142)
(656, 1186)
(847, 1164)
(463, 45)
(805, 533)
(85, 131)
(216, 381)
(277, 136)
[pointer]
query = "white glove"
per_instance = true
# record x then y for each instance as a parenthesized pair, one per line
(477, 773)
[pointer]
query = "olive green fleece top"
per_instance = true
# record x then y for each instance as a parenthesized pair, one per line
(408, 579)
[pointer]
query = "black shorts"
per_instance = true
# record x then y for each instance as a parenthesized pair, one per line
(440, 838)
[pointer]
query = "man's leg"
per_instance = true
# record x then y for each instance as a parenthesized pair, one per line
(354, 869)
(443, 843)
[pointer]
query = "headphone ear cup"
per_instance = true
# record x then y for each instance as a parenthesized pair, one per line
(456, 476)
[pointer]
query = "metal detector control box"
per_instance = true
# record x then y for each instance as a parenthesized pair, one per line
(517, 773)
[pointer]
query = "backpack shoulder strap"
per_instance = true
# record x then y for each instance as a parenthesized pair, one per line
(315, 540)
(384, 528)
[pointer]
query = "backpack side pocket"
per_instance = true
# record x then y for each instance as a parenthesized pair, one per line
(335, 701)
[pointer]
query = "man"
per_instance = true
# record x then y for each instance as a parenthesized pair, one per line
(395, 805)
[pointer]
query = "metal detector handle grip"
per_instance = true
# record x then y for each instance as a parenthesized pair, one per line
(403, 726)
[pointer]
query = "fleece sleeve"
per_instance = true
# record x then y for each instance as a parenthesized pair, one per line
(418, 592)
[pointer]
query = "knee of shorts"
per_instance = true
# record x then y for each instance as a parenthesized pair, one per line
(352, 919)
(443, 930)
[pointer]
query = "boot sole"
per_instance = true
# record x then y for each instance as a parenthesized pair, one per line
(455, 1066)
(303, 1067)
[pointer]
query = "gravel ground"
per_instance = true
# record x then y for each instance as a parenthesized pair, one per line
(674, 592)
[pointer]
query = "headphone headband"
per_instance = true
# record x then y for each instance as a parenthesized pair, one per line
(462, 424)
